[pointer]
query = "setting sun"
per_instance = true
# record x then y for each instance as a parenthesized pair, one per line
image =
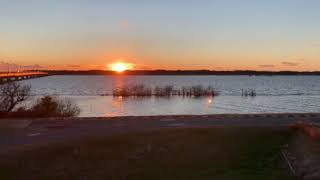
(120, 67)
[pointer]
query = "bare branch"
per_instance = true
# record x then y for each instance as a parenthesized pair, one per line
(12, 94)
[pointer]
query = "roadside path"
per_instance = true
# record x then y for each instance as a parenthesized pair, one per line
(23, 133)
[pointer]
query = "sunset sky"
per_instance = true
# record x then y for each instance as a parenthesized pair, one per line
(161, 34)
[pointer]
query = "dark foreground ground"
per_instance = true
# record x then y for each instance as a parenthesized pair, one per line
(151, 147)
(176, 153)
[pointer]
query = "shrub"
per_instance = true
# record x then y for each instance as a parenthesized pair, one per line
(48, 106)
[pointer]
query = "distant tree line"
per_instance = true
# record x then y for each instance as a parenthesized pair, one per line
(182, 72)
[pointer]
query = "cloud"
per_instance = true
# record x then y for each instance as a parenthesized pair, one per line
(287, 63)
(73, 65)
(267, 66)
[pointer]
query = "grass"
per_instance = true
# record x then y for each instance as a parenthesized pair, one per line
(215, 153)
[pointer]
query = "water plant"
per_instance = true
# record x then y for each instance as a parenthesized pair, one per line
(198, 91)
(248, 92)
(164, 91)
(132, 90)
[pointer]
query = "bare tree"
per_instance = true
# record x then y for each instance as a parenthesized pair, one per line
(11, 94)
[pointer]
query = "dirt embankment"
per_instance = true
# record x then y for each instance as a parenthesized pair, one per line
(303, 151)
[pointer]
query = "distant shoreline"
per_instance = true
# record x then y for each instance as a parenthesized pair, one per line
(178, 72)
(185, 72)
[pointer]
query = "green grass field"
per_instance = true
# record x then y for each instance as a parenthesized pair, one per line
(215, 153)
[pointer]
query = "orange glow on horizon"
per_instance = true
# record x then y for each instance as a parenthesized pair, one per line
(120, 67)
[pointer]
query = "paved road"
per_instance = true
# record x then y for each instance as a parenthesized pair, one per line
(55, 129)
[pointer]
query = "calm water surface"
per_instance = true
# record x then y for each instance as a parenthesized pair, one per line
(276, 94)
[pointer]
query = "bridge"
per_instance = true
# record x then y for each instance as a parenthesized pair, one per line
(18, 76)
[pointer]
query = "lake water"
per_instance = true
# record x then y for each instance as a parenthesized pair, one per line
(275, 94)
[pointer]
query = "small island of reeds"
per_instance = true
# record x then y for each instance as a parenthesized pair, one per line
(141, 90)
